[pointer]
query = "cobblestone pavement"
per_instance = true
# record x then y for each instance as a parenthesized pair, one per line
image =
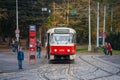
(85, 67)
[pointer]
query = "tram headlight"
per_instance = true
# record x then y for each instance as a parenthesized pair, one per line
(31, 45)
(55, 50)
(68, 50)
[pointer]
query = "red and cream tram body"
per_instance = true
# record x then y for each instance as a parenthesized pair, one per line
(61, 43)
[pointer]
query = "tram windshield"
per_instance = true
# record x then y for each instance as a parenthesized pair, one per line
(61, 38)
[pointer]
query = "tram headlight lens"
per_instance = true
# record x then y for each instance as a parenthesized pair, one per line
(31, 45)
(55, 50)
(68, 50)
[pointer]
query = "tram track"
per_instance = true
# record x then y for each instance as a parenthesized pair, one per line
(100, 68)
(79, 68)
(108, 64)
(53, 71)
(41, 70)
(70, 72)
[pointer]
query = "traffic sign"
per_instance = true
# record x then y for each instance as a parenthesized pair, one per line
(17, 31)
(17, 35)
(73, 12)
(103, 34)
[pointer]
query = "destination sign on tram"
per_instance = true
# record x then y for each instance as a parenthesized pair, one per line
(61, 31)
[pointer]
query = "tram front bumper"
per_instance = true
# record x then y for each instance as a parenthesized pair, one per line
(62, 57)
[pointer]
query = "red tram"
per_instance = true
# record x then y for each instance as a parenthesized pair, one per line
(61, 43)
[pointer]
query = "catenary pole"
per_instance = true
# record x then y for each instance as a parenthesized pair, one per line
(89, 45)
(104, 24)
(17, 28)
(97, 26)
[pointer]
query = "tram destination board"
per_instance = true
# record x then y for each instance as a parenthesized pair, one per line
(61, 30)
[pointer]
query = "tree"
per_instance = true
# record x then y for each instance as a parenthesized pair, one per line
(30, 12)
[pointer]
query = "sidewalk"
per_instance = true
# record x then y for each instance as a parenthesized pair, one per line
(8, 61)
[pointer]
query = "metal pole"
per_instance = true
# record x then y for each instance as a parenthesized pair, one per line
(68, 14)
(54, 10)
(104, 24)
(89, 46)
(98, 26)
(17, 35)
(111, 29)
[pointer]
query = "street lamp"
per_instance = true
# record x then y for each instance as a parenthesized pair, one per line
(46, 10)
(89, 45)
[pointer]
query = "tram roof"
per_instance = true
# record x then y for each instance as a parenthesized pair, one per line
(51, 30)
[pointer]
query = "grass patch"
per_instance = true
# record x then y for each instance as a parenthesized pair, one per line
(84, 48)
(116, 52)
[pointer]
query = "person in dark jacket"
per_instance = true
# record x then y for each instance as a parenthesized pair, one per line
(105, 48)
(16, 45)
(38, 49)
(20, 57)
(13, 46)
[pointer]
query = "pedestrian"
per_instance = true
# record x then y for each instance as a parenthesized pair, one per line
(20, 57)
(16, 46)
(47, 50)
(13, 46)
(38, 49)
(105, 48)
(109, 47)
(46, 47)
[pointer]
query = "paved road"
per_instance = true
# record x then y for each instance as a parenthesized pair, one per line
(114, 59)
(86, 67)
(8, 62)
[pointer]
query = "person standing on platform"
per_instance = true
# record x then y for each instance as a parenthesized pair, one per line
(20, 57)
(38, 48)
